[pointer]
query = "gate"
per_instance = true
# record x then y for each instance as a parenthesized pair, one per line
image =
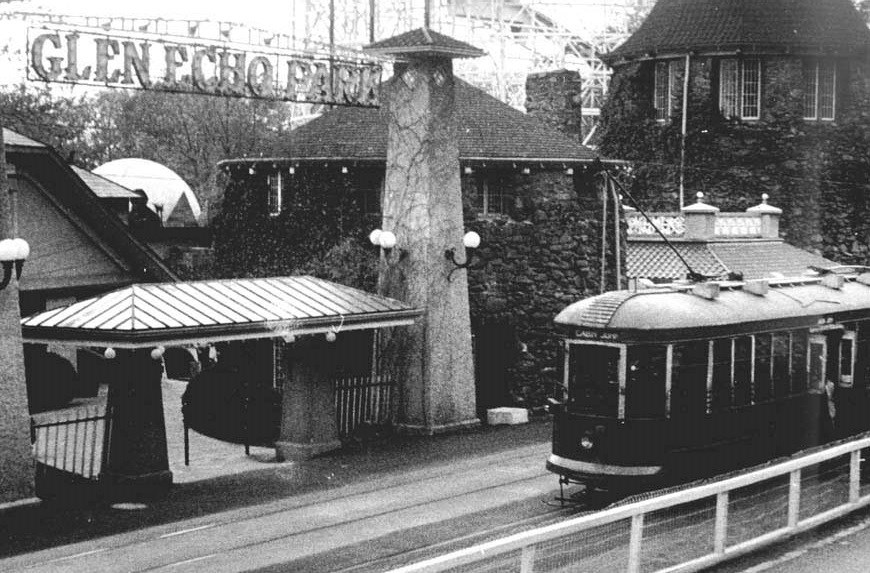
(362, 401)
(70, 447)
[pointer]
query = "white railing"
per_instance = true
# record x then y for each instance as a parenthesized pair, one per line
(685, 530)
(362, 400)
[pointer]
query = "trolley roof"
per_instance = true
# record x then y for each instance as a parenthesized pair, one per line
(711, 309)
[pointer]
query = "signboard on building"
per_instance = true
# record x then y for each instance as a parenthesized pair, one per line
(126, 59)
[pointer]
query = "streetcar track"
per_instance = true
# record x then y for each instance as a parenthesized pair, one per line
(272, 539)
(362, 489)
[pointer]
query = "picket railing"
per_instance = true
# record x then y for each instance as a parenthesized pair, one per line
(73, 440)
(684, 530)
(362, 400)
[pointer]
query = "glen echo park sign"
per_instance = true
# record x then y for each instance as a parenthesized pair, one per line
(124, 59)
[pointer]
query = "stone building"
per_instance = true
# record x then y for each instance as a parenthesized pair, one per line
(528, 190)
(736, 99)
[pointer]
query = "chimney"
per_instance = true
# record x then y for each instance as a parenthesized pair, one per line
(555, 98)
(769, 218)
(700, 220)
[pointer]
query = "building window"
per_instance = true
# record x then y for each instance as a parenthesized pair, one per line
(820, 85)
(276, 192)
(740, 88)
(663, 90)
(491, 198)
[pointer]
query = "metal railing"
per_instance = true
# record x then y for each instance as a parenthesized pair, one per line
(73, 440)
(362, 400)
(684, 530)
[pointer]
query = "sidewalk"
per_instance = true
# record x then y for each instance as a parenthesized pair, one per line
(221, 478)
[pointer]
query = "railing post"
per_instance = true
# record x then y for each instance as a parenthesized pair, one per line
(527, 563)
(634, 543)
(854, 476)
(794, 498)
(721, 528)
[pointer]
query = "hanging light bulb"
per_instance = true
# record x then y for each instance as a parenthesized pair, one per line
(109, 353)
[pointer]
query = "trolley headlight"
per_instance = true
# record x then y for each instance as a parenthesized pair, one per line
(586, 442)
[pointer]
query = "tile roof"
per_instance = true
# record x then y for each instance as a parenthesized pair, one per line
(214, 309)
(795, 25)
(102, 187)
(654, 260)
(424, 40)
(753, 258)
(758, 260)
(488, 129)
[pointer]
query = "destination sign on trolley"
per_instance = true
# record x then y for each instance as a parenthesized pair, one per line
(123, 59)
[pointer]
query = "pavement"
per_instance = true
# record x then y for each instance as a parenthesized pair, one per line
(221, 480)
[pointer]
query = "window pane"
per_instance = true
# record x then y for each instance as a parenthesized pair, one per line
(751, 88)
(645, 383)
(743, 371)
(781, 372)
(827, 89)
(689, 379)
(662, 97)
(763, 385)
(593, 379)
(275, 192)
(799, 361)
(810, 89)
(728, 88)
(721, 398)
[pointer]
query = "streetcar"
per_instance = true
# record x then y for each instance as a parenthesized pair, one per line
(668, 384)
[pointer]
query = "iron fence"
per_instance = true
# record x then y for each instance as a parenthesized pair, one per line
(684, 530)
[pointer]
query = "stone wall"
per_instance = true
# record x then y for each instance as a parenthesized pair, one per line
(556, 98)
(533, 261)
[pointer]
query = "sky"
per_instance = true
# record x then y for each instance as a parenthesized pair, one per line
(258, 13)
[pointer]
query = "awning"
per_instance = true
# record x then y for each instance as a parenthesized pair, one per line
(197, 312)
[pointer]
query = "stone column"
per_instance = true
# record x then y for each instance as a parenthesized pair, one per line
(16, 460)
(431, 360)
(308, 425)
(137, 466)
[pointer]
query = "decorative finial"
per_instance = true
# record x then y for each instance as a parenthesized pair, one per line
(764, 198)
(699, 195)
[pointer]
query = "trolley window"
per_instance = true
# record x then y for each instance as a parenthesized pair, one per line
(763, 381)
(862, 355)
(720, 395)
(593, 379)
(645, 387)
(780, 364)
(689, 381)
(799, 347)
(742, 371)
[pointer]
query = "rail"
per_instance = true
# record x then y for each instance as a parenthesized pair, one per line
(73, 440)
(362, 401)
(685, 530)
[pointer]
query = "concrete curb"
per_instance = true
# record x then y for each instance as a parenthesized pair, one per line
(26, 502)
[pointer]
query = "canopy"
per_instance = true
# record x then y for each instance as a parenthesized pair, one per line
(215, 310)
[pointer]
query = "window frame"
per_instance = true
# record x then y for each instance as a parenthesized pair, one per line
(275, 194)
(733, 88)
(813, 81)
(663, 103)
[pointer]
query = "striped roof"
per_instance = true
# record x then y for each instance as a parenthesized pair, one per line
(782, 26)
(489, 129)
(16, 139)
(102, 187)
(215, 310)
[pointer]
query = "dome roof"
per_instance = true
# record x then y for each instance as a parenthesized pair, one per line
(832, 27)
(162, 185)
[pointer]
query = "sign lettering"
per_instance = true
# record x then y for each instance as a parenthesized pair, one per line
(149, 61)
